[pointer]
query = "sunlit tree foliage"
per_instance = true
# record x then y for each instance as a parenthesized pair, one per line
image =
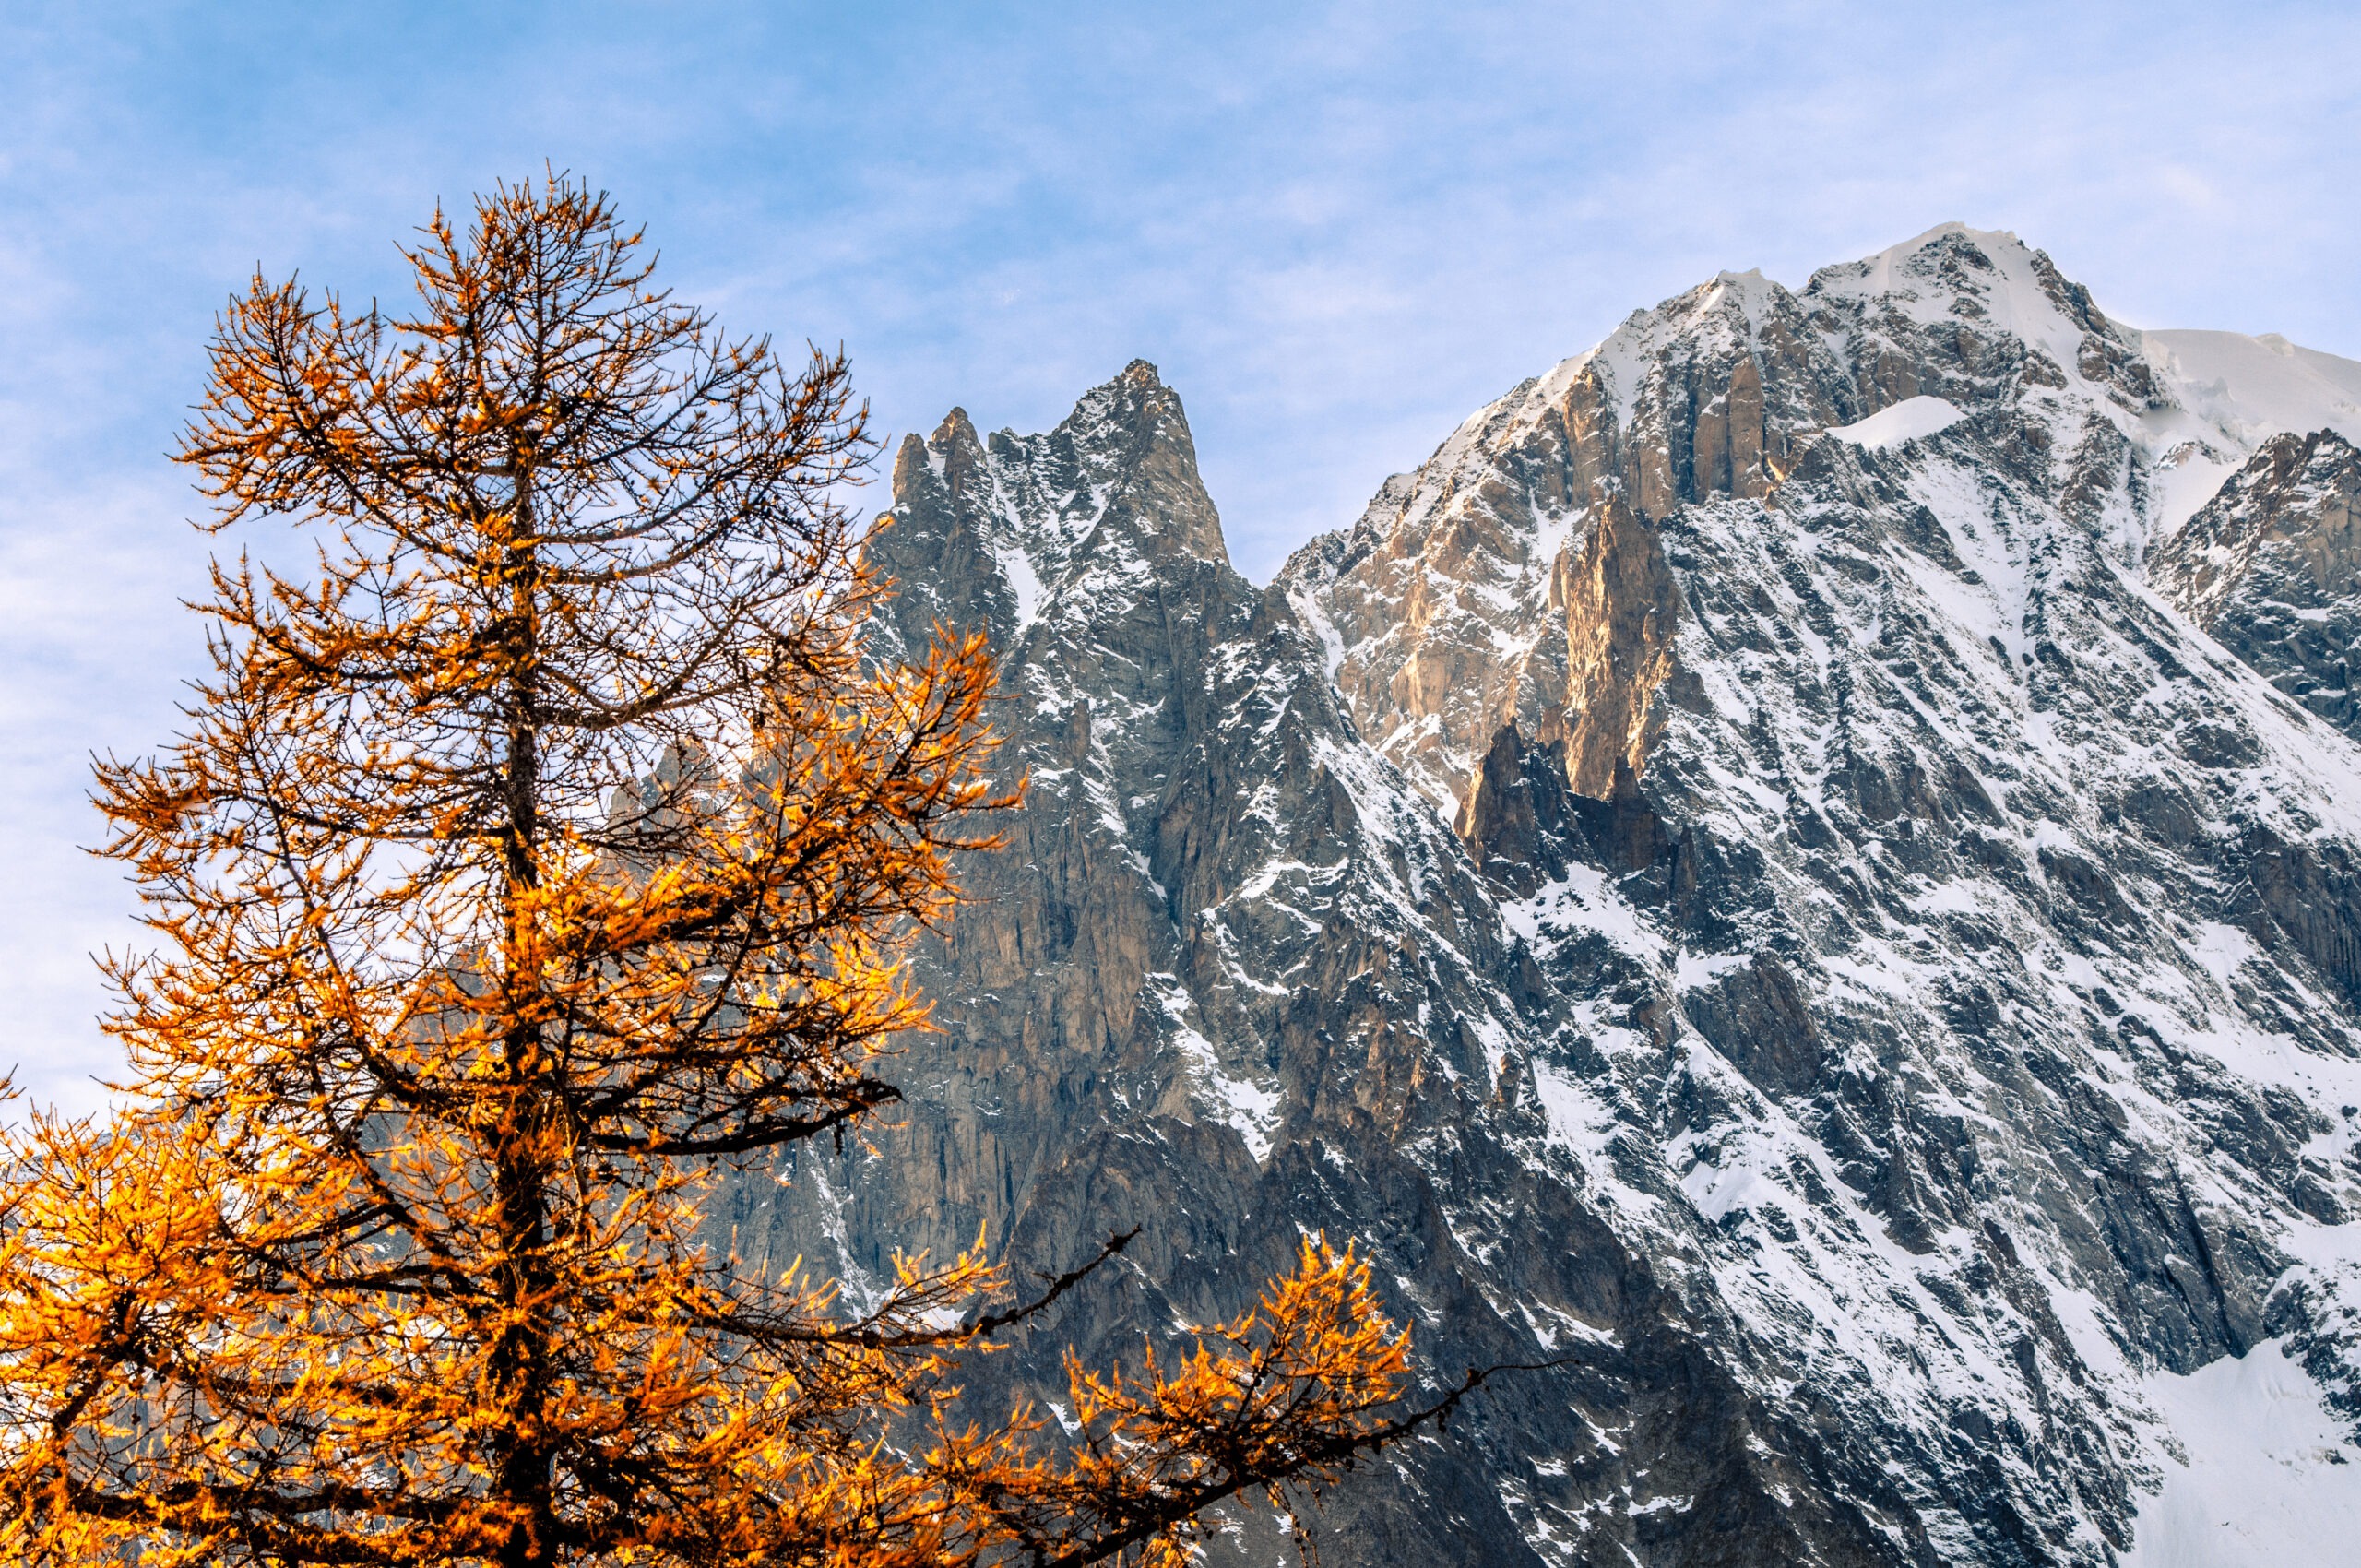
(542, 852)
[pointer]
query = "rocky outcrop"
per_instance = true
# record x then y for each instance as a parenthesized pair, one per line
(1621, 611)
(2271, 566)
(1519, 821)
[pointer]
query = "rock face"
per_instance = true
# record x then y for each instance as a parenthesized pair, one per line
(1727, 880)
(2271, 566)
(1520, 575)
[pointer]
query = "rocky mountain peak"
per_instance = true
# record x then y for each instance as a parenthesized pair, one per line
(955, 434)
(1045, 527)
(1512, 577)
(1957, 309)
(1732, 884)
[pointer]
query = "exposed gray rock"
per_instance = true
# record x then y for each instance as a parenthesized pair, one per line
(2271, 566)
(1759, 904)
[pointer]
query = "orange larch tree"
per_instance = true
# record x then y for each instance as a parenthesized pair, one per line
(543, 850)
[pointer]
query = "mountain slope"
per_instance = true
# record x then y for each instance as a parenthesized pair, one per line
(1727, 878)
(2272, 567)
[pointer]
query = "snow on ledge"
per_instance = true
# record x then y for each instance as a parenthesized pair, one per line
(1906, 421)
(2271, 1481)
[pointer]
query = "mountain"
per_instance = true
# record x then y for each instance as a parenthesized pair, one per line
(1730, 879)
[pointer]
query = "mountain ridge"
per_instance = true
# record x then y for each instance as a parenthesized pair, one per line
(1786, 917)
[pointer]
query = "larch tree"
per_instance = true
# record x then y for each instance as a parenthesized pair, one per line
(543, 851)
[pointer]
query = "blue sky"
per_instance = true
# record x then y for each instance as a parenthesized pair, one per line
(1338, 230)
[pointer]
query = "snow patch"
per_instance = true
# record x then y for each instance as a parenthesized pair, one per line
(2253, 388)
(1577, 1118)
(1245, 1105)
(2270, 1480)
(2222, 949)
(1024, 582)
(1906, 420)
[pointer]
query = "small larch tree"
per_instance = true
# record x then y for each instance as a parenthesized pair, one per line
(544, 850)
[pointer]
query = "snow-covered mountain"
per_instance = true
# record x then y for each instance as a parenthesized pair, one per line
(1728, 876)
